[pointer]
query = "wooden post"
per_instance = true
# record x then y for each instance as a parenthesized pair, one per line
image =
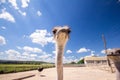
(104, 40)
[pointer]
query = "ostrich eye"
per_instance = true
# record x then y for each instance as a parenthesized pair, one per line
(54, 31)
(69, 31)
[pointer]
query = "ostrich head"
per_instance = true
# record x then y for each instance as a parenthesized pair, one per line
(61, 35)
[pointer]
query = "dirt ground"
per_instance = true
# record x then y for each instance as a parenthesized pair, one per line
(70, 73)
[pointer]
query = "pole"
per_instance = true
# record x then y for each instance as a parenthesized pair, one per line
(104, 40)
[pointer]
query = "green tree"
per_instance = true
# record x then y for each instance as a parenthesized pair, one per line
(80, 61)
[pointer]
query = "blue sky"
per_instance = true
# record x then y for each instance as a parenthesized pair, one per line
(26, 28)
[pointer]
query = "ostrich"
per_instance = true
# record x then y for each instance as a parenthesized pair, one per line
(114, 55)
(40, 69)
(61, 36)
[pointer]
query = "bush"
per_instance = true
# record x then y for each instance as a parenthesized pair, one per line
(1, 72)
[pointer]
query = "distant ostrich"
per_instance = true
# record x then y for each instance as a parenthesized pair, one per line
(40, 69)
(61, 36)
(114, 55)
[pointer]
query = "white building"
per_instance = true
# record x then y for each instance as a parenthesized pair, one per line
(94, 60)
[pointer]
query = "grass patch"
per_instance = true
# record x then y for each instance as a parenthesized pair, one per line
(13, 68)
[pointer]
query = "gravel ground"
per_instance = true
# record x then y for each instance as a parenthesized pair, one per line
(70, 73)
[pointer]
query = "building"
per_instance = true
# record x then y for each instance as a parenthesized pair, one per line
(94, 60)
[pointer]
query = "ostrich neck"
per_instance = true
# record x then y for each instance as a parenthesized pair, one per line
(59, 61)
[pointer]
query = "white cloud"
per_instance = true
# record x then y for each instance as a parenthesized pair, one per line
(2, 40)
(91, 55)
(39, 13)
(25, 54)
(22, 13)
(82, 50)
(103, 51)
(3, 27)
(33, 55)
(37, 50)
(13, 3)
(30, 49)
(25, 3)
(45, 56)
(54, 52)
(50, 59)
(11, 51)
(92, 52)
(28, 56)
(68, 51)
(15, 55)
(41, 37)
(18, 47)
(1, 53)
(12, 54)
(68, 59)
(25, 36)
(27, 49)
(2, 1)
(7, 16)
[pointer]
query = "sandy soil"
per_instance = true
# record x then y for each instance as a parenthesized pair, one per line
(70, 73)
